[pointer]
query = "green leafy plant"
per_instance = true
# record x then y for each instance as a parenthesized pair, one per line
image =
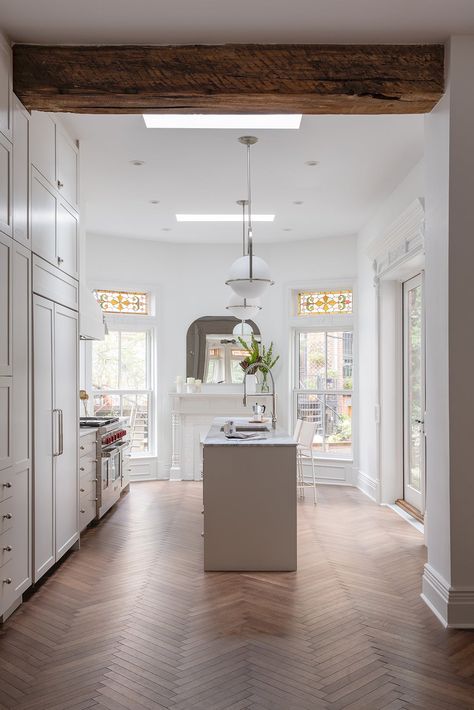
(258, 358)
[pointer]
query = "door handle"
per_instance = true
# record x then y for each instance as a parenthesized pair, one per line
(61, 432)
(55, 438)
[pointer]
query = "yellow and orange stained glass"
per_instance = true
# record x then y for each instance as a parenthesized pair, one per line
(312, 303)
(123, 302)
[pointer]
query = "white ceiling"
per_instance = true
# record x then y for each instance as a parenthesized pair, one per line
(218, 21)
(361, 160)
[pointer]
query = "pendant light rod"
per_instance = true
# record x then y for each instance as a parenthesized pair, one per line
(243, 204)
(249, 141)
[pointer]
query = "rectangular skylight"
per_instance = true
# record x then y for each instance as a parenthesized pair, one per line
(222, 217)
(201, 120)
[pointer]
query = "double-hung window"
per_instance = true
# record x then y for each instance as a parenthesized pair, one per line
(323, 377)
(122, 372)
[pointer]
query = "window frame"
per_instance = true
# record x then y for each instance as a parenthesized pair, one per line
(342, 326)
(137, 323)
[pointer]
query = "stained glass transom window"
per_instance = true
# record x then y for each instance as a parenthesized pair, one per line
(312, 303)
(124, 302)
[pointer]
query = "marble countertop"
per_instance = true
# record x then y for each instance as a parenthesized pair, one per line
(273, 437)
(83, 431)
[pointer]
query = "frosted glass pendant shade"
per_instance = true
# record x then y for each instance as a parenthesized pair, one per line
(239, 277)
(243, 308)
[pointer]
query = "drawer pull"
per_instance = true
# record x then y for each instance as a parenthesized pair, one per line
(7, 484)
(7, 548)
(8, 516)
(82, 468)
(82, 448)
(60, 184)
(82, 490)
(8, 580)
(82, 510)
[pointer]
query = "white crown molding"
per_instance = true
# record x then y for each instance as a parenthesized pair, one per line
(453, 606)
(403, 239)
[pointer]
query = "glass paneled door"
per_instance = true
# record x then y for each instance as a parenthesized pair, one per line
(414, 392)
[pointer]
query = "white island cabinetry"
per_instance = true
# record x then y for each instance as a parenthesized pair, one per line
(249, 502)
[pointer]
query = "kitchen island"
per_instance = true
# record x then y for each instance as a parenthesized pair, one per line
(249, 501)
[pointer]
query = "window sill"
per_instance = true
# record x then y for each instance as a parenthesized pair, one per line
(330, 459)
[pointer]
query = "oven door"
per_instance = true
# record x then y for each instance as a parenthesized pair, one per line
(110, 466)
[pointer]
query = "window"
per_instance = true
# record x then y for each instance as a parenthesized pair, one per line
(323, 388)
(121, 382)
(123, 302)
(312, 303)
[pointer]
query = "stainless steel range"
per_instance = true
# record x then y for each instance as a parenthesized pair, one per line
(113, 452)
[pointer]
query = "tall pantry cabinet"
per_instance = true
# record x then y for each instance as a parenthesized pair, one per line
(39, 297)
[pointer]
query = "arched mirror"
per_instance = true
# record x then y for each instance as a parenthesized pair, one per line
(213, 351)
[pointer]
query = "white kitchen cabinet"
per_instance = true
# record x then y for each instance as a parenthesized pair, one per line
(6, 221)
(43, 144)
(67, 159)
(21, 208)
(54, 227)
(55, 344)
(6, 451)
(5, 305)
(55, 155)
(43, 218)
(5, 88)
(67, 227)
(66, 344)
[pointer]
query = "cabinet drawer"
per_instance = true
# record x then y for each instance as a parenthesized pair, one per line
(7, 484)
(87, 513)
(87, 447)
(6, 547)
(88, 470)
(87, 492)
(6, 515)
(7, 586)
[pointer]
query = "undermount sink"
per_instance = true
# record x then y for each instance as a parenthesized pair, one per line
(250, 427)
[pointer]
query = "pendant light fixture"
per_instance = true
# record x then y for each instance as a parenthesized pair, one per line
(240, 307)
(249, 276)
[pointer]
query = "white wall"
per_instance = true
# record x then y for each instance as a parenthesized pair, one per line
(405, 193)
(189, 283)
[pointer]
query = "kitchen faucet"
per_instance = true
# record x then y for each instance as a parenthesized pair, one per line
(262, 394)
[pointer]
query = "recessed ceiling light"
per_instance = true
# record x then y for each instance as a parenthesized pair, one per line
(199, 120)
(154, 202)
(312, 163)
(297, 202)
(166, 229)
(137, 162)
(222, 217)
(287, 229)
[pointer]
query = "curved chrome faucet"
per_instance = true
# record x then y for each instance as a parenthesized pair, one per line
(261, 394)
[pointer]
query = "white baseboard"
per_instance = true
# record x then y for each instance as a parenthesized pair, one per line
(368, 485)
(454, 607)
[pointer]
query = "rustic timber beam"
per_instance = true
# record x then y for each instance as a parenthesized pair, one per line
(311, 79)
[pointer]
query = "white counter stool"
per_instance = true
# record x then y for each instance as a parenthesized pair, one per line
(304, 451)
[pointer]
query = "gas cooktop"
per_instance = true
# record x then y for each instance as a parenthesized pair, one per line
(97, 421)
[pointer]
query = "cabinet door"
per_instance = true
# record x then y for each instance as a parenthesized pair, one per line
(21, 566)
(6, 453)
(66, 167)
(66, 346)
(21, 355)
(67, 240)
(43, 145)
(21, 232)
(43, 218)
(44, 502)
(6, 186)
(5, 305)
(5, 88)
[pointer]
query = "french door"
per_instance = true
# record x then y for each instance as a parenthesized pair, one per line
(414, 393)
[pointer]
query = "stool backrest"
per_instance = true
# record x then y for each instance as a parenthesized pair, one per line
(296, 433)
(307, 432)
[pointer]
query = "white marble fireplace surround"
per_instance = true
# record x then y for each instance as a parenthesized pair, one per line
(191, 419)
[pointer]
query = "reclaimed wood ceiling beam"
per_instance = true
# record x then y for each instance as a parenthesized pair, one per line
(244, 78)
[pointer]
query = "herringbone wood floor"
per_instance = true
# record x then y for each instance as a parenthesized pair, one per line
(131, 621)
